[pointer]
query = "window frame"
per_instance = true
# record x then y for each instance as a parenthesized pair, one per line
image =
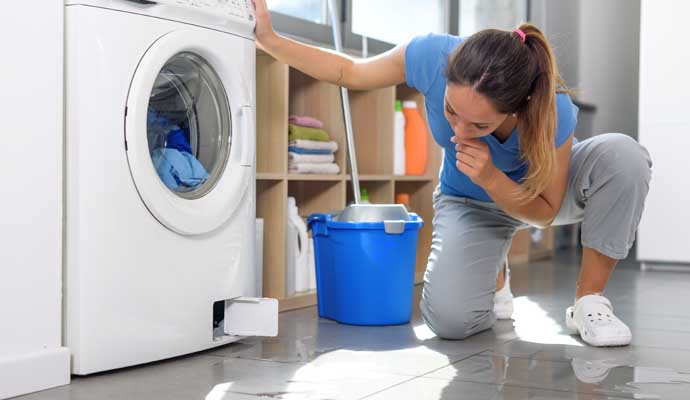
(321, 34)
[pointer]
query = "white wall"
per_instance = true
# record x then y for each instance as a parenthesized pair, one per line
(664, 131)
(609, 62)
(560, 21)
(597, 47)
(31, 356)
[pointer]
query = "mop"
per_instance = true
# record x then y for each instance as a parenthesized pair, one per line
(358, 212)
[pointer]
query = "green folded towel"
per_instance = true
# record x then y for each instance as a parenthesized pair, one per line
(296, 132)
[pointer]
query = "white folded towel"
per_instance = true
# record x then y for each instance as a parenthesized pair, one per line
(311, 168)
(314, 145)
(311, 158)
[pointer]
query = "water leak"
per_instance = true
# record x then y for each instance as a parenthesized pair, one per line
(637, 382)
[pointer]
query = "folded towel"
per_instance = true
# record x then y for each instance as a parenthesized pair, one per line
(299, 150)
(301, 132)
(311, 168)
(311, 158)
(305, 121)
(314, 145)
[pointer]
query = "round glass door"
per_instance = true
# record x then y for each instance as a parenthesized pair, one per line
(189, 134)
(188, 126)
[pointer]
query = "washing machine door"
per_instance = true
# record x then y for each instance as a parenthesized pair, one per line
(190, 129)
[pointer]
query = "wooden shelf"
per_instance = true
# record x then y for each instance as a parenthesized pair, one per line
(523, 250)
(397, 178)
(271, 205)
(419, 277)
(319, 100)
(317, 196)
(373, 115)
(371, 177)
(300, 300)
(413, 178)
(284, 91)
(314, 177)
(270, 176)
(271, 114)
(380, 192)
(421, 202)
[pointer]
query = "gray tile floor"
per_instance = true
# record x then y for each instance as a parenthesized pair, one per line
(530, 357)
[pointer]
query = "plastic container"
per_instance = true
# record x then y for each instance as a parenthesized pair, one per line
(297, 275)
(399, 140)
(259, 256)
(364, 196)
(416, 140)
(365, 270)
(404, 199)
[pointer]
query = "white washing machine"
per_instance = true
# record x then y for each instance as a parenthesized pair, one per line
(160, 180)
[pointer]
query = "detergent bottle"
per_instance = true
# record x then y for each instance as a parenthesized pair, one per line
(364, 196)
(416, 140)
(297, 274)
(399, 140)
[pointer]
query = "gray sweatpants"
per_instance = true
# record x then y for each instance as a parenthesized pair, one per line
(607, 186)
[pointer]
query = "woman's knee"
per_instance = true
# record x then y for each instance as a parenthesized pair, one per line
(625, 160)
(454, 321)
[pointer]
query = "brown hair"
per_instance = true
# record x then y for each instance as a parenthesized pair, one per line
(517, 78)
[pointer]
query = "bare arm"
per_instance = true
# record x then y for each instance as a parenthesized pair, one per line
(542, 210)
(327, 65)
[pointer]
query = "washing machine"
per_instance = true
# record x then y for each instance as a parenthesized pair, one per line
(159, 181)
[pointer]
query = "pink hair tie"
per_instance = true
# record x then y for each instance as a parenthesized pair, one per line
(520, 33)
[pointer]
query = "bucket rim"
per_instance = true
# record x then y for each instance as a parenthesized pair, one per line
(415, 222)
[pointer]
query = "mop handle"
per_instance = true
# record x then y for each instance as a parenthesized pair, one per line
(335, 24)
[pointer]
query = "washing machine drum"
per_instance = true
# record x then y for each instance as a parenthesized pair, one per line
(188, 126)
(181, 138)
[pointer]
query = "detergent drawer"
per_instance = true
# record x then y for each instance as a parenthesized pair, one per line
(251, 316)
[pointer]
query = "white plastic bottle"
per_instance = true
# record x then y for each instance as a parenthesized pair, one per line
(399, 140)
(259, 257)
(311, 265)
(297, 278)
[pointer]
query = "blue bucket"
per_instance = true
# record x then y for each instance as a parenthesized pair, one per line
(365, 270)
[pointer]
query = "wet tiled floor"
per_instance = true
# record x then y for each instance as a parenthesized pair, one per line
(531, 357)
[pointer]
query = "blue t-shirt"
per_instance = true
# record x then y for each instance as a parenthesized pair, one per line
(426, 58)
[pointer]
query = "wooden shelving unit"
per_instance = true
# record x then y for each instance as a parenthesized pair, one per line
(283, 91)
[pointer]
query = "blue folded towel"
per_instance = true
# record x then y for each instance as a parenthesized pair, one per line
(300, 150)
(179, 170)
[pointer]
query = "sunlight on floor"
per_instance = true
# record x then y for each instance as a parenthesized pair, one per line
(533, 324)
(422, 332)
(219, 391)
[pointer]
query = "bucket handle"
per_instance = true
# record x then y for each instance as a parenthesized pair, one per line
(394, 227)
(316, 228)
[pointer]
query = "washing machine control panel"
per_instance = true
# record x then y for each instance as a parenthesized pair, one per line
(242, 9)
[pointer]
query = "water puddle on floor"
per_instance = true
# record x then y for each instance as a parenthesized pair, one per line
(632, 382)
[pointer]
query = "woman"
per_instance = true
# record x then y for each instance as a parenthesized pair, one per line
(496, 104)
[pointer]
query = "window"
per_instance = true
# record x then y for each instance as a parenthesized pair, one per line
(389, 20)
(311, 10)
(476, 15)
(309, 21)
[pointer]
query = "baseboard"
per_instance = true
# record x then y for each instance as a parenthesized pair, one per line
(664, 266)
(31, 372)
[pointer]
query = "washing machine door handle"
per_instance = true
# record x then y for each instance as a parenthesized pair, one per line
(247, 136)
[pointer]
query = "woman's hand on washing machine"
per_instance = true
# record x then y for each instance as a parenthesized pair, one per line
(264, 27)
(474, 160)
